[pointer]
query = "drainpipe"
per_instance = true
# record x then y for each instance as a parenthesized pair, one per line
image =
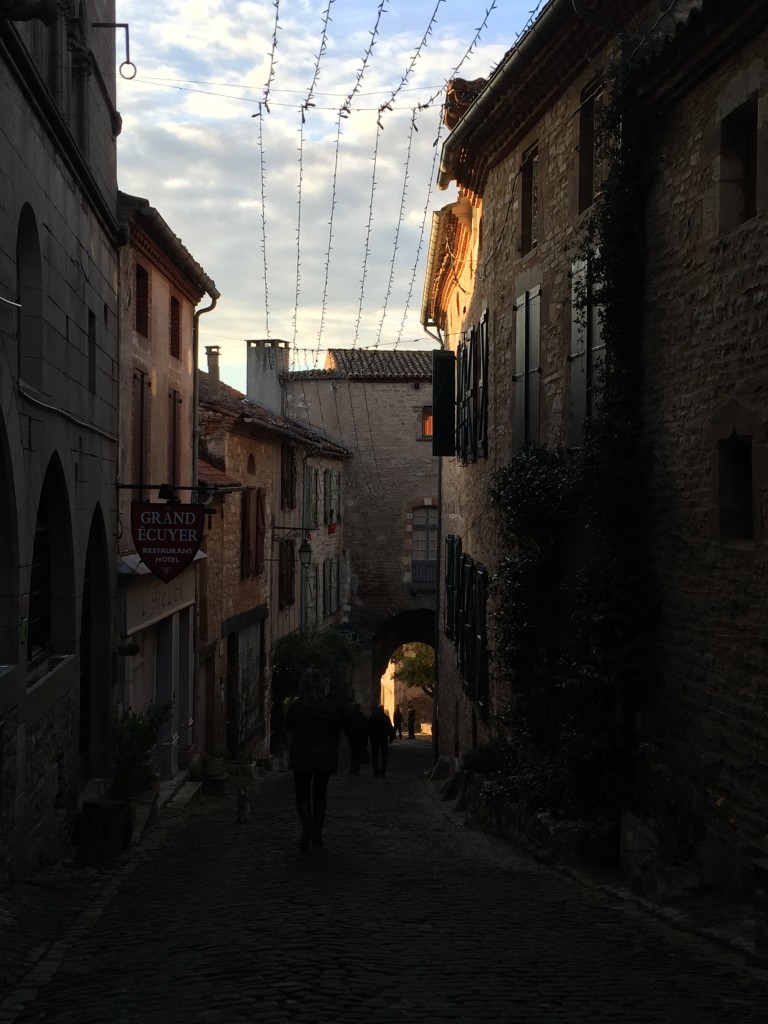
(215, 295)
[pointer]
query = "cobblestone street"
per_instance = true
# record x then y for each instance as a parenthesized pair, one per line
(403, 916)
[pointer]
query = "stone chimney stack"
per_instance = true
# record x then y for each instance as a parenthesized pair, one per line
(267, 363)
(212, 355)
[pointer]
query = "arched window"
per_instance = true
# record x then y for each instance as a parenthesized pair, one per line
(29, 276)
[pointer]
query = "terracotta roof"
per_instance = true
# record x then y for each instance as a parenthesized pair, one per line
(213, 477)
(233, 402)
(365, 364)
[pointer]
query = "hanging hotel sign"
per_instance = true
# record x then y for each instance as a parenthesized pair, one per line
(167, 537)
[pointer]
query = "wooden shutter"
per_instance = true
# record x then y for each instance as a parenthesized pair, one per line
(534, 363)
(326, 495)
(260, 531)
(596, 350)
(450, 587)
(520, 376)
(482, 388)
(470, 395)
(578, 354)
(337, 482)
(443, 403)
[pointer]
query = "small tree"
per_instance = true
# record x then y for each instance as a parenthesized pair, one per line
(329, 651)
(415, 666)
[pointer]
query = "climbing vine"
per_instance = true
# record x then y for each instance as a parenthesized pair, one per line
(574, 595)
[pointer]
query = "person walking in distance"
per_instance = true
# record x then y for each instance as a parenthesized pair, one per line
(313, 724)
(381, 733)
(411, 721)
(356, 728)
(398, 722)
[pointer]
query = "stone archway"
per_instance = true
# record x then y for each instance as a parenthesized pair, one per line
(416, 626)
(96, 673)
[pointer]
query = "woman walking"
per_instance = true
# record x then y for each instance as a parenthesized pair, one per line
(313, 725)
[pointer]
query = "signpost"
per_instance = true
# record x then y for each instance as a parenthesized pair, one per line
(167, 537)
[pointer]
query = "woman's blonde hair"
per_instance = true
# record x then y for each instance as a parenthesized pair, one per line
(311, 685)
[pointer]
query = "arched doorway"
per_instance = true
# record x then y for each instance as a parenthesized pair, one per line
(95, 648)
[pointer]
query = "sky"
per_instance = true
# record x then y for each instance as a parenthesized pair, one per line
(293, 147)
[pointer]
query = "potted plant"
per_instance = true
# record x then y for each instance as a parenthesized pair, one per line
(106, 825)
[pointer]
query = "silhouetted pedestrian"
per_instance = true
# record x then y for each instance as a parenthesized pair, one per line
(356, 728)
(313, 724)
(398, 722)
(382, 733)
(411, 721)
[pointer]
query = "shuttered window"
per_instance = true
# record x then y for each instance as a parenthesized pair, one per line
(472, 397)
(174, 328)
(527, 367)
(140, 439)
(286, 566)
(424, 545)
(529, 200)
(260, 531)
(174, 437)
(141, 301)
(287, 476)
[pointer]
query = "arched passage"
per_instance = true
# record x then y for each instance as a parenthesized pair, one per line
(51, 585)
(95, 646)
(417, 626)
(9, 556)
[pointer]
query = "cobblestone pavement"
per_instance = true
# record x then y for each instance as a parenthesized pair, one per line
(403, 916)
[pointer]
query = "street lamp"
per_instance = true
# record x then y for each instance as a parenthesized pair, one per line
(305, 553)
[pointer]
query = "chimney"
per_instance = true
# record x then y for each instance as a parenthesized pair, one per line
(212, 355)
(267, 363)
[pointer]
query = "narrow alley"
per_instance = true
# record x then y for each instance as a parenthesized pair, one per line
(403, 916)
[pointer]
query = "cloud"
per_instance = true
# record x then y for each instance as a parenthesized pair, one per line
(227, 183)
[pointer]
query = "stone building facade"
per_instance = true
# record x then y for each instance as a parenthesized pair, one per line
(508, 288)
(161, 284)
(58, 424)
(379, 405)
(271, 480)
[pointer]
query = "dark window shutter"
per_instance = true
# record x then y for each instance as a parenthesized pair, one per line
(261, 531)
(520, 378)
(327, 498)
(534, 363)
(470, 395)
(480, 658)
(443, 403)
(450, 586)
(482, 388)
(596, 353)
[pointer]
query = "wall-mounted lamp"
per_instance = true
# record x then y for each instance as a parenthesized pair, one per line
(305, 553)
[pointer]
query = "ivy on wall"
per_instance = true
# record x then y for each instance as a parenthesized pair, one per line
(574, 596)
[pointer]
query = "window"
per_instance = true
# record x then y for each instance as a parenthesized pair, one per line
(174, 438)
(589, 164)
(141, 301)
(286, 569)
(253, 532)
(29, 283)
(424, 545)
(287, 476)
(331, 585)
(312, 497)
(472, 399)
(466, 597)
(426, 421)
(140, 439)
(734, 457)
(310, 595)
(587, 353)
(527, 368)
(738, 166)
(174, 335)
(529, 200)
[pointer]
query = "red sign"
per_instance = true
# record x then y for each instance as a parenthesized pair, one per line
(166, 536)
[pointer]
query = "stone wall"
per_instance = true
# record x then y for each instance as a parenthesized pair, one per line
(706, 338)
